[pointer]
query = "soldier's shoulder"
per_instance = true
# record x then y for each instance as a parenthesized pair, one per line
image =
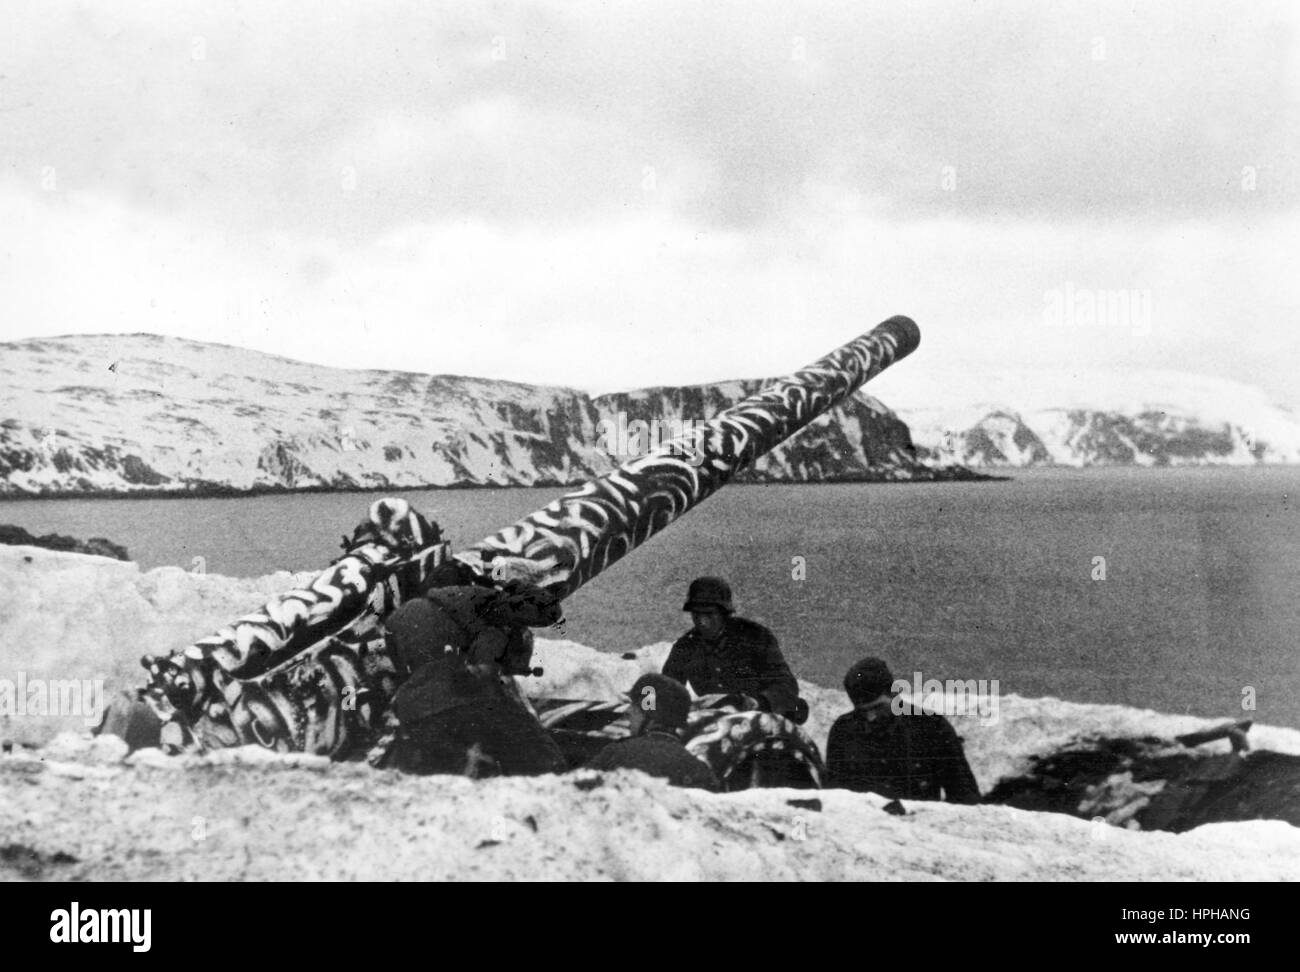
(670, 751)
(749, 629)
(933, 724)
(687, 640)
(455, 593)
(635, 752)
(619, 745)
(612, 753)
(845, 721)
(854, 724)
(933, 719)
(662, 739)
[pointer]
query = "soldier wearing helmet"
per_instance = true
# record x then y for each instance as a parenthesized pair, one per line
(458, 708)
(878, 748)
(657, 713)
(727, 654)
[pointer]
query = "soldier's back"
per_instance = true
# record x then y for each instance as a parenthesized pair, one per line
(657, 754)
(898, 756)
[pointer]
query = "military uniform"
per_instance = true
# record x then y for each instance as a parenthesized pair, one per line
(745, 659)
(454, 719)
(458, 721)
(474, 621)
(660, 753)
(909, 757)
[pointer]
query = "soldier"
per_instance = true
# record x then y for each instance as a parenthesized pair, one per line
(658, 711)
(462, 716)
(915, 756)
(459, 710)
(724, 653)
(473, 620)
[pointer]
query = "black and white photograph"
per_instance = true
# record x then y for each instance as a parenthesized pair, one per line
(662, 441)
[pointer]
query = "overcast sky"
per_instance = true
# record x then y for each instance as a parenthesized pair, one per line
(613, 195)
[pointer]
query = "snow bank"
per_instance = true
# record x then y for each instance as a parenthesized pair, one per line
(81, 813)
(72, 617)
(257, 815)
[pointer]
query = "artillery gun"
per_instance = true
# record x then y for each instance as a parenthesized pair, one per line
(310, 672)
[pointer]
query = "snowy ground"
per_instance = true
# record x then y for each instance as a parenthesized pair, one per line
(77, 809)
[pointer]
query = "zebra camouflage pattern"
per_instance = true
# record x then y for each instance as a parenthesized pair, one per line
(588, 530)
(308, 672)
(726, 738)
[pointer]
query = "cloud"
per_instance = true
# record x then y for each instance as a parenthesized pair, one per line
(553, 112)
(650, 299)
(614, 195)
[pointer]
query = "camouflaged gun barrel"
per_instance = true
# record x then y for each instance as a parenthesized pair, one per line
(585, 531)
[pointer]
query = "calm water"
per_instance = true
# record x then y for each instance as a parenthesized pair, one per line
(958, 580)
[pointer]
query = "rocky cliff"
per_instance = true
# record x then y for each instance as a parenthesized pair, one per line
(1074, 417)
(148, 414)
(135, 413)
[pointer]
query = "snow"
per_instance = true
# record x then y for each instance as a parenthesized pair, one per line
(201, 414)
(111, 413)
(938, 405)
(221, 414)
(249, 813)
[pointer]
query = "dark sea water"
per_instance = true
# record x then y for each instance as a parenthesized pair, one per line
(1200, 601)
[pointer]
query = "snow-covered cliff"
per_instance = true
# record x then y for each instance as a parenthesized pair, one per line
(1075, 418)
(134, 413)
(143, 412)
